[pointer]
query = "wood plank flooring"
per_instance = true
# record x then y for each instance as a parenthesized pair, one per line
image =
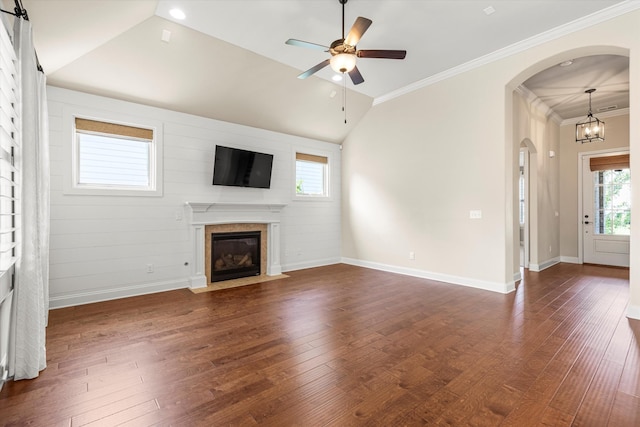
(343, 346)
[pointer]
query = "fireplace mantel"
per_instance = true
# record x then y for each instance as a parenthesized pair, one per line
(200, 214)
(225, 212)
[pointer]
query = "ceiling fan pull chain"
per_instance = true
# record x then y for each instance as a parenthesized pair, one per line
(344, 97)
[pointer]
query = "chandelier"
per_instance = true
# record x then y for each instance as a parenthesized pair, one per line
(590, 129)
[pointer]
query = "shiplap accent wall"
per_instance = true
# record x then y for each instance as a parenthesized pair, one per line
(101, 245)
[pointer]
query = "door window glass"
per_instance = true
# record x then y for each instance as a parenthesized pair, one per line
(612, 202)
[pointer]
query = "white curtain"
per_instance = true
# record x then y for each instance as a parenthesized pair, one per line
(31, 294)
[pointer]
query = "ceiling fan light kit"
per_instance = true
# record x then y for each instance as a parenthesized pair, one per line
(344, 52)
(590, 129)
(343, 62)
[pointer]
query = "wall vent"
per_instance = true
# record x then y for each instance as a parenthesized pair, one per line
(608, 108)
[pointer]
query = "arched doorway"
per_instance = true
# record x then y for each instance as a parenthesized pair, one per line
(544, 237)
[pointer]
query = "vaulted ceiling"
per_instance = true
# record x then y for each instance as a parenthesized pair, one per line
(227, 60)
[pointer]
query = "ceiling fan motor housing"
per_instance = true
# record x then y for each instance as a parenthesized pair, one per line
(339, 46)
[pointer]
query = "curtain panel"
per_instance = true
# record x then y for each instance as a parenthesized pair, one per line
(31, 293)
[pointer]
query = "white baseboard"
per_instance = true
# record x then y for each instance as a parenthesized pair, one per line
(517, 276)
(633, 312)
(309, 264)
(544, 265)
(69, 300)
(197, 282)
(503, 288)
(570, 259)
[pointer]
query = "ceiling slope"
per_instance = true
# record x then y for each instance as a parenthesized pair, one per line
(64, 30)
(198, 74)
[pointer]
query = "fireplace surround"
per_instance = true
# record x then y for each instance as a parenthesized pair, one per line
(205, 218)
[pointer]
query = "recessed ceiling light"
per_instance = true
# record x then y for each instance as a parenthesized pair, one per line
(337, 78)
(566, 63)
(488, 10)
(177, 14)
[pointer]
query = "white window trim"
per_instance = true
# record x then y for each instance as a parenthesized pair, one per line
(71, 186)
(309, 197)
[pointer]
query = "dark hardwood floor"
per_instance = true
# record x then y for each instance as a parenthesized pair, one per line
(341, 346)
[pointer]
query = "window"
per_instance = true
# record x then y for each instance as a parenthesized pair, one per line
(312, 175)
(109, 157)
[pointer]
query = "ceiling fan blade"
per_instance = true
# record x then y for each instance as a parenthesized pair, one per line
(301, 43)
(359, 27)
(356, 77)
(385, 54)
(314, 70)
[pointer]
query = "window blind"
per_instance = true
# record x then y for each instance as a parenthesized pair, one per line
(95, 126)
(9, 156)
(311, 158)
(609, 163)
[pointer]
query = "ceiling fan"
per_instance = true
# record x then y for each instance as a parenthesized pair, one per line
(344, 51)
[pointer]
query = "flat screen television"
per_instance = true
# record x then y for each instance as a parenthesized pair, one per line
(241, 168)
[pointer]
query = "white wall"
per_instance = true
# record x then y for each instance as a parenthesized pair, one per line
(101, 245)
(416, 165)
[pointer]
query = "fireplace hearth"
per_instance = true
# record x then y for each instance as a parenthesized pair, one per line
(235, 255)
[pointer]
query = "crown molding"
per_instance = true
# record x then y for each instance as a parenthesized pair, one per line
(612, 113)
(539, 104)
(555, 33)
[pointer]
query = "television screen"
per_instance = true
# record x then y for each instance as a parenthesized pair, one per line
(241, 168)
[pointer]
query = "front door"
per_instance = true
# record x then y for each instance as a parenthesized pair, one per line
(606, 210)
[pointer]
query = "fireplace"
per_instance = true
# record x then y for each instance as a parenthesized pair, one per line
(206, 218)
(235, 255)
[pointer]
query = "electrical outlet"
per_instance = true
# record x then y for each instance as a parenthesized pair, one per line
(475, 214)
(149, 268)
(549, 248)
(179, 215)
(412, 255)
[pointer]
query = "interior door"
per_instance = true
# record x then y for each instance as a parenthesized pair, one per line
(606, 210)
